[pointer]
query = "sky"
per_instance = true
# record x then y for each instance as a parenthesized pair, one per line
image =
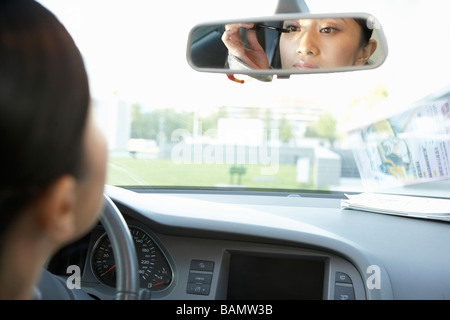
(125, 56)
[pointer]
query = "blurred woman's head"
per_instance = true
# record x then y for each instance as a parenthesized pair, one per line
(53, 159)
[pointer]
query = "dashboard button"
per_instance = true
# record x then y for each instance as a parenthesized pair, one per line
(343, 292)
(202, 265)
(343, 278)
(202, 289)
(200, 278)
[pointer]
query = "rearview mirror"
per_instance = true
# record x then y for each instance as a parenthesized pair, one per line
(287, 44)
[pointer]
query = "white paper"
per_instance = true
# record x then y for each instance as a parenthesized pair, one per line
(418, 207)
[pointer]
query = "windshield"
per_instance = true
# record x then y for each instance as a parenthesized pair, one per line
(384, 130)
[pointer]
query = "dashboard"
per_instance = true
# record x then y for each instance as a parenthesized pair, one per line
(213, 246)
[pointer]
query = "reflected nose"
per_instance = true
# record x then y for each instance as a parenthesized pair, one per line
(308, 44)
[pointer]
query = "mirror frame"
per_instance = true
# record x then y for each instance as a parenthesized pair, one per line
(286, 73)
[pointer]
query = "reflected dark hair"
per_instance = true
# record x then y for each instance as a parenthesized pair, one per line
(44, 100)
(366, 32)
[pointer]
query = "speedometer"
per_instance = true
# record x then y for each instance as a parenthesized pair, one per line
(154, 270)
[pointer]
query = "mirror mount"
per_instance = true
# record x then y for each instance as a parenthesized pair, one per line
(284, 76)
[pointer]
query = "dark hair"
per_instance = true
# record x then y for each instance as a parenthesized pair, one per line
(44, 100)
(366, 32)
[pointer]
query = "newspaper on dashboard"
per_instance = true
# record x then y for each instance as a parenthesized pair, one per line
(408, 148)
(410, 206)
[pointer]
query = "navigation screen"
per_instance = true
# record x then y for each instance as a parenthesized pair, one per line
(273, 278)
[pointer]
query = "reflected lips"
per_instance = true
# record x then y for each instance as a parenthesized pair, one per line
(304, 65)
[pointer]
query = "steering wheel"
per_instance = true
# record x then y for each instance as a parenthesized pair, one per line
(127, 277)
(127, 281)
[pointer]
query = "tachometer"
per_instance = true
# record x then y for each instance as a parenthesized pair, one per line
(154, 271)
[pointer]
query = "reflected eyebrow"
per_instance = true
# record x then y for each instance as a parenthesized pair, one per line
(302, 21)
(344, 20)
(291, 21)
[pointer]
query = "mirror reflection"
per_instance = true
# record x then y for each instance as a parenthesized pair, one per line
(297, 45)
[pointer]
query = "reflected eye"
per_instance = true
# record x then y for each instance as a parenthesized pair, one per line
(328, 30)
(292, 28)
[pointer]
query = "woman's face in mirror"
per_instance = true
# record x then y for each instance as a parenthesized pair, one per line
(322, 43)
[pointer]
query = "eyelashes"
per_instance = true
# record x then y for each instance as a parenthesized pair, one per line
(328, 30)
(293, 28)
(325, 30)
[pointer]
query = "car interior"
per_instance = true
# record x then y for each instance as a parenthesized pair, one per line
(210, 200)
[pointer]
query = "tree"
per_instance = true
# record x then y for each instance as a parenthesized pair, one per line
(210, 122)
(142, 126)
(325, 128)
(286, 131)
(148, 125)
(369, 101)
